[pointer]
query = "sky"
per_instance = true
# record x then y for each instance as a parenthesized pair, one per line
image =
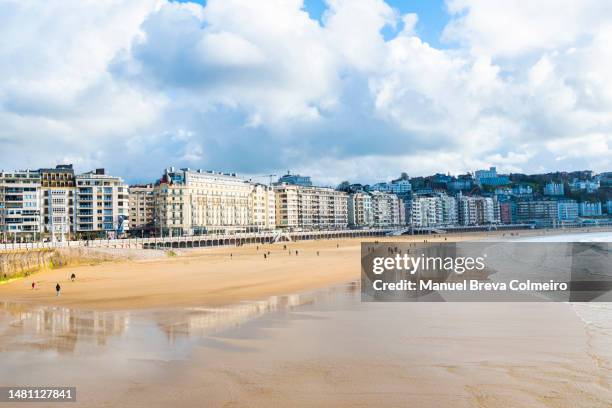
(357, 90)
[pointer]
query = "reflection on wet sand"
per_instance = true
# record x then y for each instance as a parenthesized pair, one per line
(201, 321)
(57, 328)
(313, 349)
(24, 326)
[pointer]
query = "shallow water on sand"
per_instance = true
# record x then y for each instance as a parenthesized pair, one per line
(323, 347)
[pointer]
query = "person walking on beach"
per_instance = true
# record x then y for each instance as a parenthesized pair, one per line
(57, 289)
(72, 277)
(33, 285)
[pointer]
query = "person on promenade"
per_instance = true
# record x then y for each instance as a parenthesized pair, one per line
(33, 285)
(72, 277)
(57, 289)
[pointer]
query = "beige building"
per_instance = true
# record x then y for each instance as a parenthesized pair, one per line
(286, 206)
(360, 210)
(142, 206)
(263, 207)
(310, 207)
(196, 202)
(172, 209)
(58, 200)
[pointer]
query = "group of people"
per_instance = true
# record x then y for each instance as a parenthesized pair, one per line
(58, 288)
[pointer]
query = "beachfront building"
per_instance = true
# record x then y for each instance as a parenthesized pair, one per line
(287, 206)
(192, 202)
(262, 203)
(58, 200)
(401, 207)
(587, 209)
(541, 213)
(142, 209)
(310, 207)
(102, 205)
(385, 209)
(172, 209)
(450, 210)
(425, 211)
(474, 210)
(554, 189)
(567, 210)
(20, 205)
(507, 212)
(360, 210)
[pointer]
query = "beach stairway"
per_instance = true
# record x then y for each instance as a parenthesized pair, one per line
(280, 237)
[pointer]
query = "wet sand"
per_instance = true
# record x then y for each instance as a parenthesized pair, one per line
(212, 276)
(316, 349)
(203, 330)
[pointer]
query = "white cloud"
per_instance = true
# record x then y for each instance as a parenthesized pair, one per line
(515, 27)
(260, 86)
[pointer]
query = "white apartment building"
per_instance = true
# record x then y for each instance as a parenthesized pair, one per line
(310, 207)
(477, 210)
(195, 202)
(433, 211)
(426, 211)
(450, 210)
(385, 209)
(20, 205)
(360, 210)
(568, 210)
(586, 209)
(102, 204)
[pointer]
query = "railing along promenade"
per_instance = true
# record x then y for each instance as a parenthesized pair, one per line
(197, 241)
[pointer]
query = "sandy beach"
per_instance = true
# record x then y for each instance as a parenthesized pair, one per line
(226, 327)
(212, 276)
